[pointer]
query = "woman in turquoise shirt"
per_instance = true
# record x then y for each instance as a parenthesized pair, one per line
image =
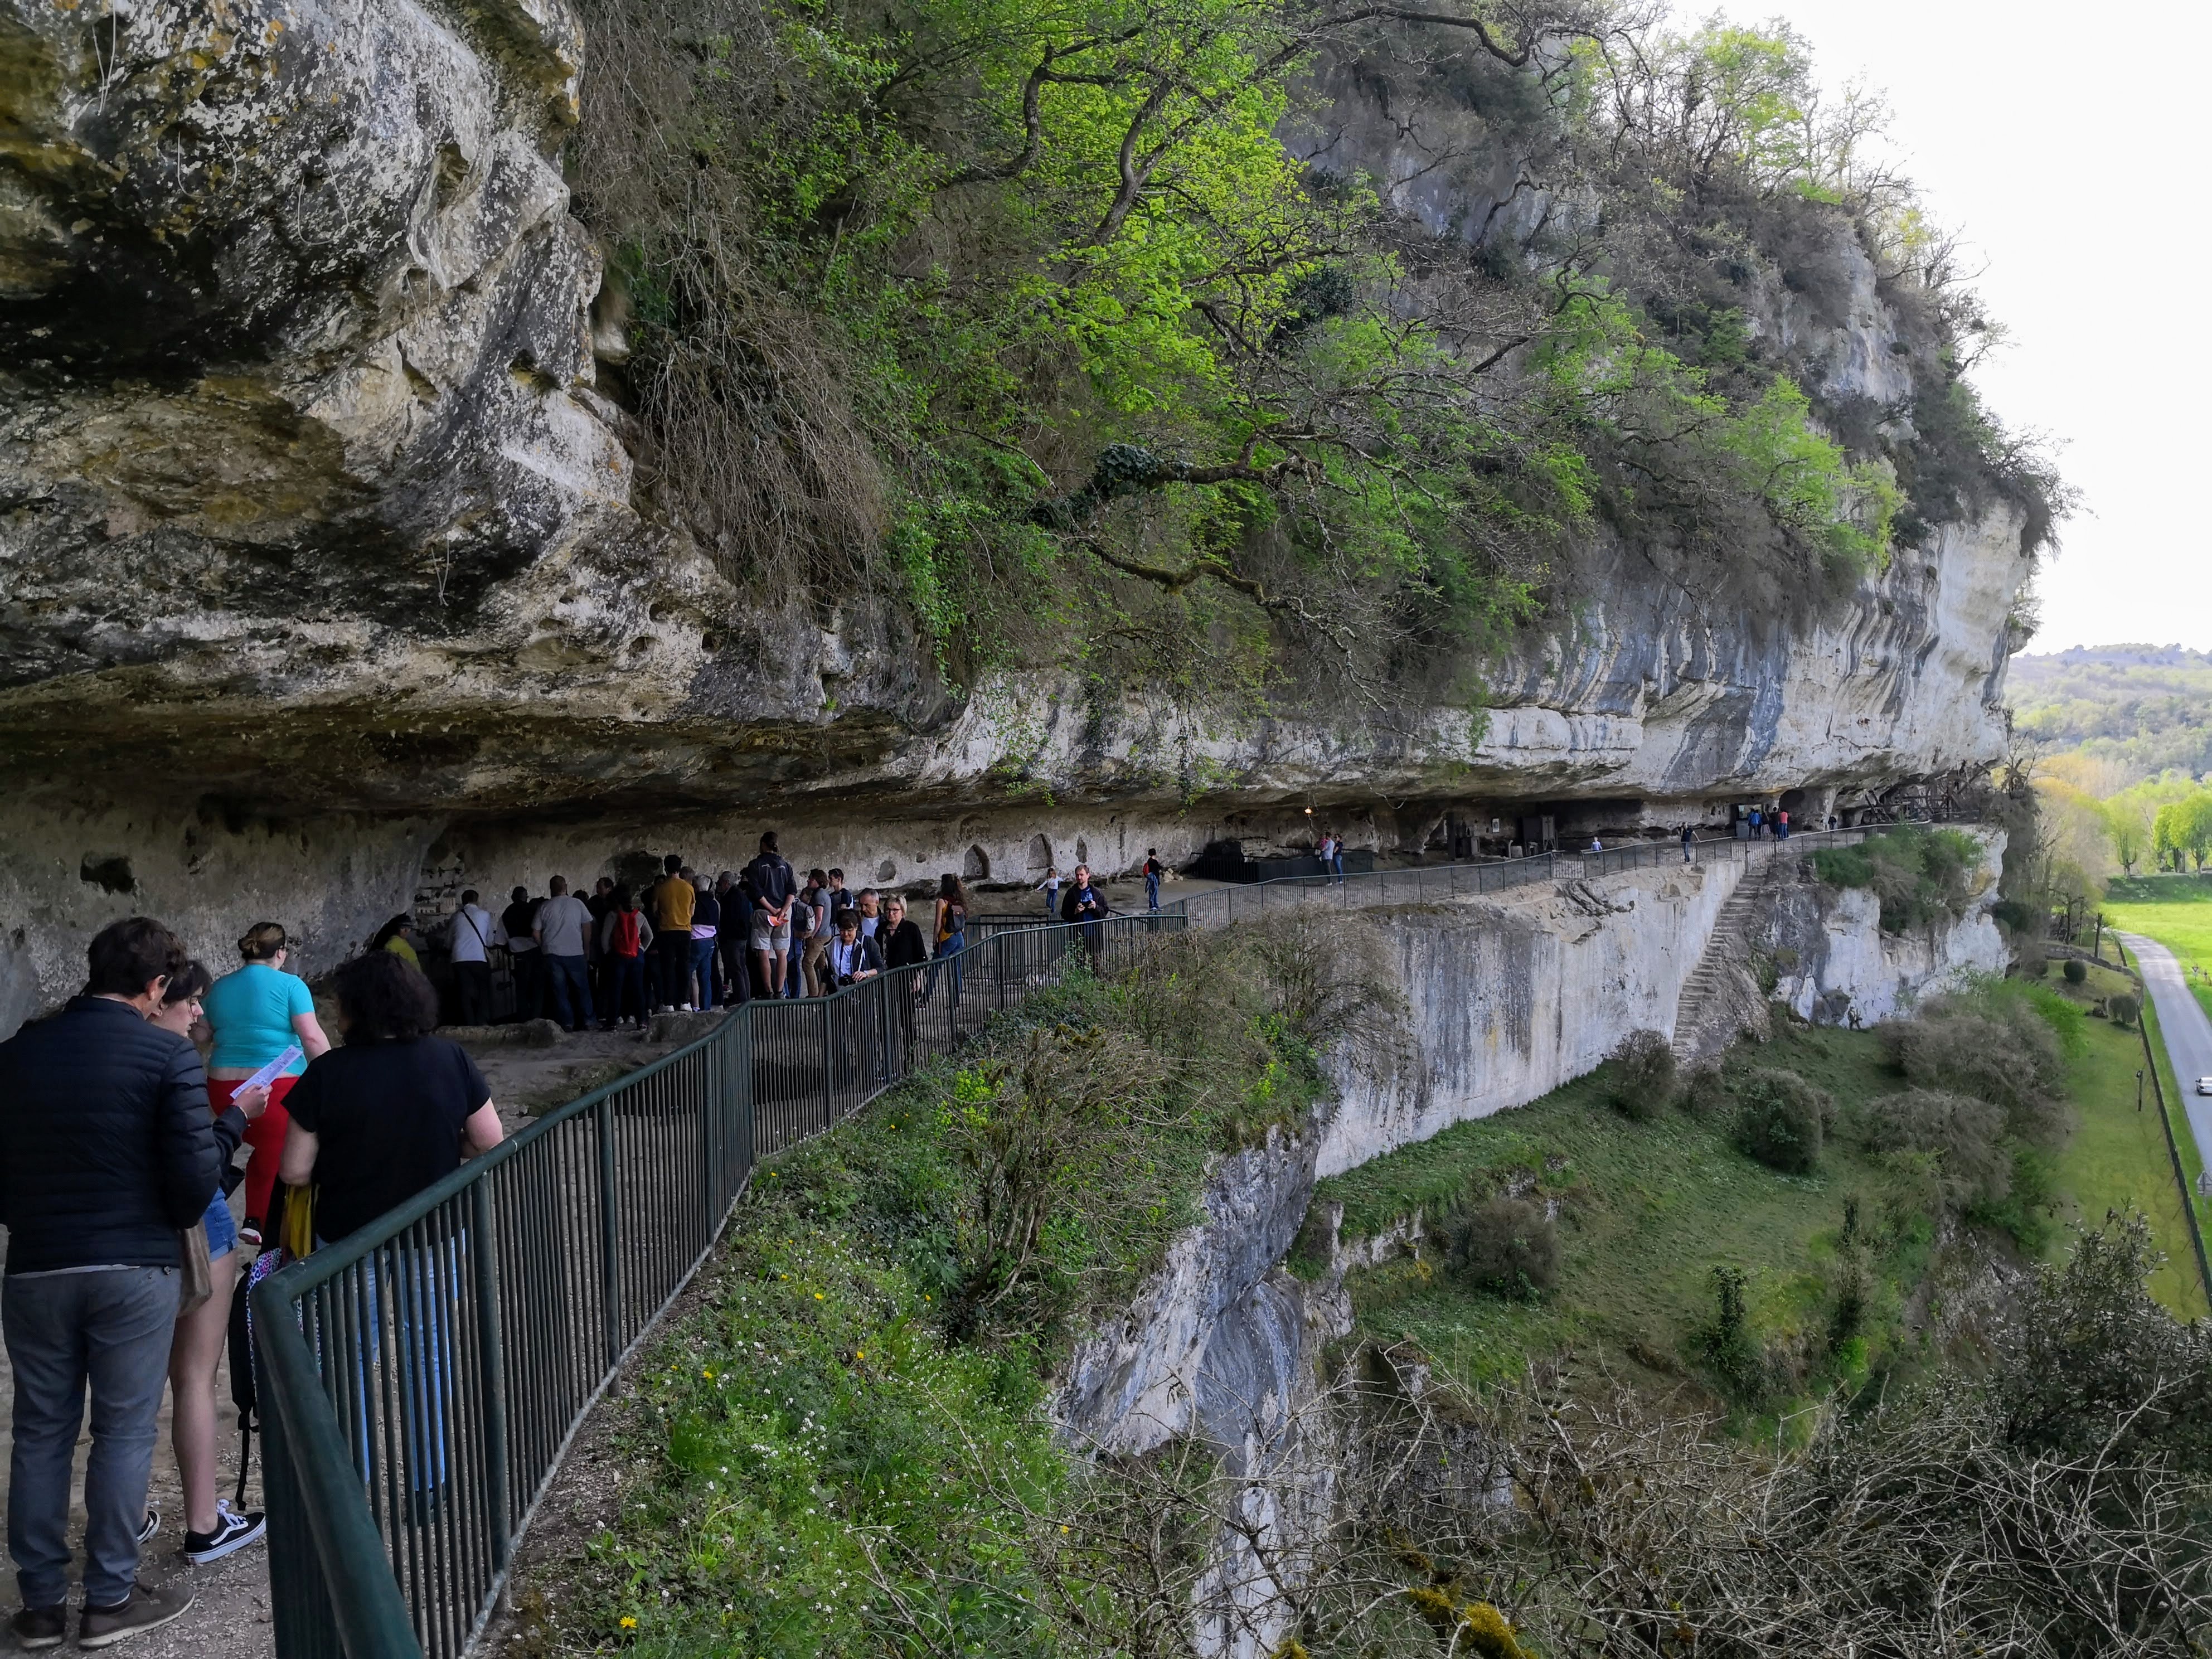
(256, 1014)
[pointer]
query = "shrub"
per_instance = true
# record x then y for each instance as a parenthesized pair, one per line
(1781, 1119)
(1505, 1245)
(1974, 1167)
(1642, 1075)
(1920, 875)
(1995, 1045)
(1728, 1343)
(1705, 1092)
(2076, 971)
(2124, 1007)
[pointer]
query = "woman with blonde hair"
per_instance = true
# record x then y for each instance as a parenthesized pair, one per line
(256, 1014)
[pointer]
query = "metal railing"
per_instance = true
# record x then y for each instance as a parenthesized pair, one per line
(422, 1376)
(1431, 883)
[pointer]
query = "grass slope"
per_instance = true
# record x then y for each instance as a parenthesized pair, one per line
(1648, 1211)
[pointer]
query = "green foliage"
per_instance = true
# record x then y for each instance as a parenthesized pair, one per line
(1781, 1120)
(2004, 1043)
(1029, 318)
(1921, 875)
(2144, 710)
(1766, 448)
(1507, 1246)
(1643, 1069)
(1729, 1347)
(2125, 1008)
(1965, 1135)
(2076, 971)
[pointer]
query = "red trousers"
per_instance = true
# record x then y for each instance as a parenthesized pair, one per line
(264, 1135)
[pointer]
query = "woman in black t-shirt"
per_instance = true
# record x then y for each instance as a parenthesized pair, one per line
(391, 1113)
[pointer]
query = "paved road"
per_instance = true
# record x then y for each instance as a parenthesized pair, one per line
(2188, 1033)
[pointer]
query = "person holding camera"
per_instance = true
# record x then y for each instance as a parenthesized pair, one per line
(852, 955)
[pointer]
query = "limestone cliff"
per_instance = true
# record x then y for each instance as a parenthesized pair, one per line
(320, 564)
(1507, 1002)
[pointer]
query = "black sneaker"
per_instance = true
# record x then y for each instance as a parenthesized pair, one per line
(143, 1609)
(40, 1627)
(233, 1531)
(151, 1525)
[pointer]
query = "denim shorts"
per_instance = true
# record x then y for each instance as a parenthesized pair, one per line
(223, 1231)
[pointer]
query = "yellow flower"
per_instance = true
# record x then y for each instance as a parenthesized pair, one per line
(709, 1376)
(628, 1623)
(861, 1353)
(818, 1295)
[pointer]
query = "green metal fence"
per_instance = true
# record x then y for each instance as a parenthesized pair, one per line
(422, 1376)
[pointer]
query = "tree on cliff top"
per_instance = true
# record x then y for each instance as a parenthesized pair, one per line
(1027, 311)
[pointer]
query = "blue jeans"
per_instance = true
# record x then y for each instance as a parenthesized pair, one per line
(1152, 892)
(424, 1287)
(112, 1329)
(949, 951)
(223, 1231)
(1336, 866)
(572, 990)
(702, 964)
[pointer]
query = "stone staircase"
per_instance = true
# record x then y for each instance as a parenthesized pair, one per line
(1721, 996)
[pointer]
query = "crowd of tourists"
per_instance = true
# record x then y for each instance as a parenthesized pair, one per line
(618, 955)
(131, 1231)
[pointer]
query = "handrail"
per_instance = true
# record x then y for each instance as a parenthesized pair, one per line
(425, 1374)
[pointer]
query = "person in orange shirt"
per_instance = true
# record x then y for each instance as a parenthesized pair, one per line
(671, 920)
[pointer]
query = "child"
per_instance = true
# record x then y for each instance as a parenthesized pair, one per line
(1050, 888)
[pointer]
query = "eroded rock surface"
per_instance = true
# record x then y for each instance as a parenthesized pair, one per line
(320, 559)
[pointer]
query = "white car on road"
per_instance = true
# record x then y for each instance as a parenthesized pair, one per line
(2204, 1086)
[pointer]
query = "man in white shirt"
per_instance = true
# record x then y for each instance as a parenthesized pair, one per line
(470, 939)
(564, 922)
(872, 905)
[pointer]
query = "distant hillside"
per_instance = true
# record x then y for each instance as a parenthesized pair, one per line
(2145, 707)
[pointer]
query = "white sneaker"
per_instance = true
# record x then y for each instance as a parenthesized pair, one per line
(684, 1008)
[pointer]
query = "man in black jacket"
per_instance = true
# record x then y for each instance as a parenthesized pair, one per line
(106, 1152)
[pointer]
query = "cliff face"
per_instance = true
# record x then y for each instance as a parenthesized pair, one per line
(1507, 1002)
(319, 557)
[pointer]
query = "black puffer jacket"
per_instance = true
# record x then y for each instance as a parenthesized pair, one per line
(106, 1145)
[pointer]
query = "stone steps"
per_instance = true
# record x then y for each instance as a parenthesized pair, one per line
(1724, 968)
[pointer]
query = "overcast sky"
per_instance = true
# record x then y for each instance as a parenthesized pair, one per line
(2067, 142)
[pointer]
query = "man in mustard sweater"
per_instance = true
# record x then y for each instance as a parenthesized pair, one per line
(671, 934)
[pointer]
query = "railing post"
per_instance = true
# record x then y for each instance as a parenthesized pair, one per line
(609, 1243)
(491, 1359)
(829, 1065)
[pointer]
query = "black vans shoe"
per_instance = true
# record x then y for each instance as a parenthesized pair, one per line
(233, 1531)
